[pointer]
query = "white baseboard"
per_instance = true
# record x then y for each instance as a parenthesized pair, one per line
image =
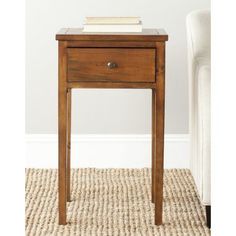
(106, 151)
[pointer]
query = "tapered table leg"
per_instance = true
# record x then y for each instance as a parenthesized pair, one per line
(159, 163)
(160, 111)
(153, 143)
(62, 134)
(68, 159)
(62, 155)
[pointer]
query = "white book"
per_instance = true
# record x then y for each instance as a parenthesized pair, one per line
(112, 20)
(112, 28)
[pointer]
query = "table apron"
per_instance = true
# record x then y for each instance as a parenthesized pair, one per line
(110, 85)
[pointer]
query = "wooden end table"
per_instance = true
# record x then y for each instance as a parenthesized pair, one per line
(111, 60)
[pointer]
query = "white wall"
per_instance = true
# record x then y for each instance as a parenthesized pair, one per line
(116, 111)
(89, 150)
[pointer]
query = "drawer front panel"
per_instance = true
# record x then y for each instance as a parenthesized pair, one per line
(111, 64)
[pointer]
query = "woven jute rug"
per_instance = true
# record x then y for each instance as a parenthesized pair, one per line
(113, 202)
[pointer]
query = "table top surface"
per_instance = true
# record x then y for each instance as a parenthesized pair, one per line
(145, 35)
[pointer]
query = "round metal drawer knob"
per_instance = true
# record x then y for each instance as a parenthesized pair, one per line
(111, 65)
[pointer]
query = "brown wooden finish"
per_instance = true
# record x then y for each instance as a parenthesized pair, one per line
(111, 44)
(62, 118)
(160, 108)
(110, 85)
(68, 146)
(153, 143)
(91, 64)
(83, 59)
(150, 35)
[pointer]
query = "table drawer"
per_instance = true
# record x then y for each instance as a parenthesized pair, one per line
(111, 64)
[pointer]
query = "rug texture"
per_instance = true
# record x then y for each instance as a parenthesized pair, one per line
(113, 202)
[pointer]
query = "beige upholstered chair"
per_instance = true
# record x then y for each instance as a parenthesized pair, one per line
(199, 50)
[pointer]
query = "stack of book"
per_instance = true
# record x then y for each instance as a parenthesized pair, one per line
(112, 24)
